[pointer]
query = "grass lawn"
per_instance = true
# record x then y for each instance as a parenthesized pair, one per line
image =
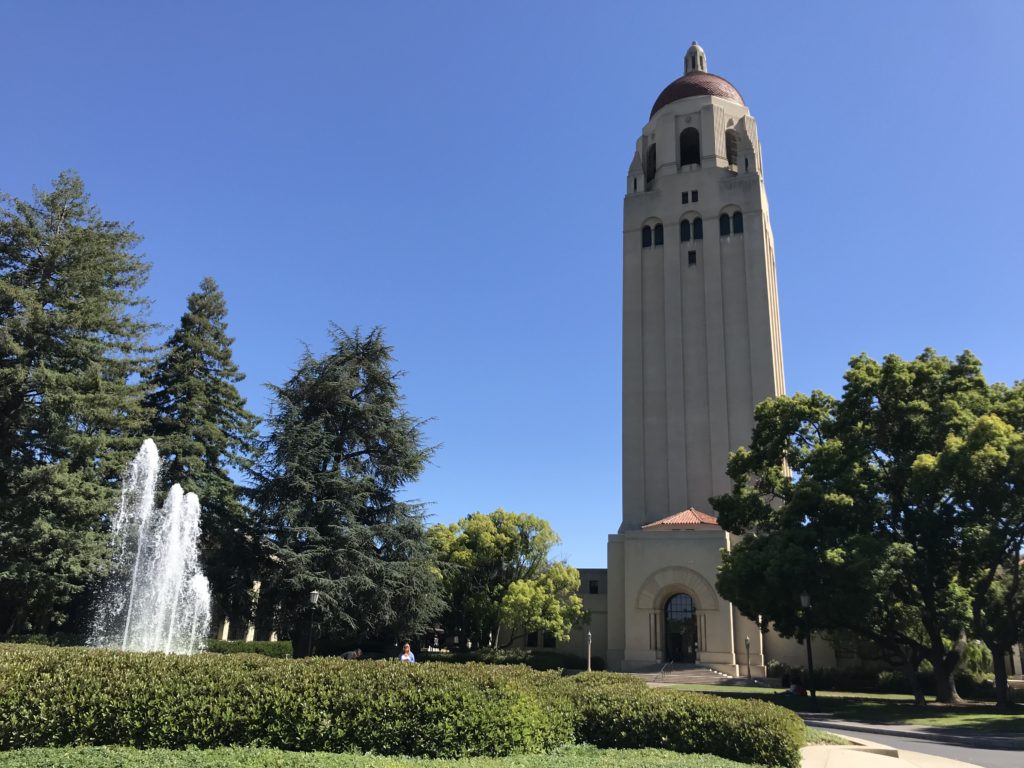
(768, 693)
(239, 757)
(888, 708)
(815, 736)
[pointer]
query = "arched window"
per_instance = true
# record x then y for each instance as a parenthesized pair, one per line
(645, 237)
(659, 234)
(679, 607)
(723, 225)
(684, 231)
(698, 228)
(689, 147)
(737, 223)
(732, 147)
(652, 163)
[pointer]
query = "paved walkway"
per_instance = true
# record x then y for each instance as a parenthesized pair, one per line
(986, 758)
(867, 754)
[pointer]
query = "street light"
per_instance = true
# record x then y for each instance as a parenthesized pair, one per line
(805, 602)
(746, 642)
(314, 598)
(590, 640)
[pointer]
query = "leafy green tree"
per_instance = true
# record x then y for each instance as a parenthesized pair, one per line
(339, 451)
(72, 333)
(499, 577)
(875, 505)
(205, 433)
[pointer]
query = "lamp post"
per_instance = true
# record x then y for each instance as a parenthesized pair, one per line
(805, 602)
(314, 598)
(746, 642)
(590, 640)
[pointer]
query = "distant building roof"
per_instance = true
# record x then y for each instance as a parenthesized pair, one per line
(688, 518)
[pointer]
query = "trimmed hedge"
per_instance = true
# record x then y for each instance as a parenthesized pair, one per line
(279, 649)
(237, 757)
(612, 714)
(71, 696)
(56, 697)
(57, 638)
(535, 659)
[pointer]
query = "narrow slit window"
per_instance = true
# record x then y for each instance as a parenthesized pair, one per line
(691, 257)
(686, 197)
(693, 195)
(732, 146)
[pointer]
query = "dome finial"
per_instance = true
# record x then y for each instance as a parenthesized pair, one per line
(695, 60)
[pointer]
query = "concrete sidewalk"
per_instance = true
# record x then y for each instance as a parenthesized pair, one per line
(867, 754)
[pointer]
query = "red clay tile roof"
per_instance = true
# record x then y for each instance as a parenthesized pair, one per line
(688, 517)
(697, 83)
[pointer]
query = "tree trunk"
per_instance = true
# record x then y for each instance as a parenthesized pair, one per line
(300, 636)
(999, 667)
(910, 670)
(945, 669)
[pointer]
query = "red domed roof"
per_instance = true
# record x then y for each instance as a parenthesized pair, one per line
(697, 83)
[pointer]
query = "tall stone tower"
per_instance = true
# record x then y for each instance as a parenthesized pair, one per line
(701, 347)
(701, 341)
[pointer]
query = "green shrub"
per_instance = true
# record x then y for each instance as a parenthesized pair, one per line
(535, 659)
(279, 649)
(613, 713)
(57, 639)
(52, 697)
(121, 757)
(55, 697)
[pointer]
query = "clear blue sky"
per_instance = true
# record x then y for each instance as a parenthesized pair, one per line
(454, 172)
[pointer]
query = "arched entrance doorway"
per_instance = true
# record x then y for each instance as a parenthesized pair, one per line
(680, 629)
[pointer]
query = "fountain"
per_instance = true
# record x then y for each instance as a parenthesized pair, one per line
(156, 597)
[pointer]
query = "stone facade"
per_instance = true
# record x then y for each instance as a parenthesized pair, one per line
(702, 347)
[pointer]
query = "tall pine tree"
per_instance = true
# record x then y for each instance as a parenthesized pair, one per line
(340, 449)
(204, 431)
(72, 333)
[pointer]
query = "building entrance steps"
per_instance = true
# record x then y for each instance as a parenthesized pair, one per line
(684, 674)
